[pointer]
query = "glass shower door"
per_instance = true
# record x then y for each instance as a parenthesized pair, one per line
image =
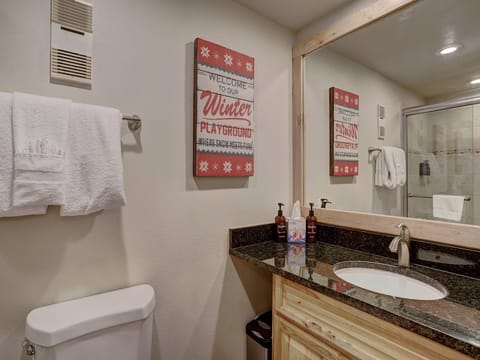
(440, 156)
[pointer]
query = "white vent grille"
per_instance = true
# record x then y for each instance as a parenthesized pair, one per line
(72, 64)
(71, 43)
(74, 14)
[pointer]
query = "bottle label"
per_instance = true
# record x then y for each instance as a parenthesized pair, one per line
(281, 232)
(311, 232)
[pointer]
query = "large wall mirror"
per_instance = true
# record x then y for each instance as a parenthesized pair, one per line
(431, 109)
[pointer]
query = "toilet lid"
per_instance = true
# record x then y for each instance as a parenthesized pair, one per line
(53, 324)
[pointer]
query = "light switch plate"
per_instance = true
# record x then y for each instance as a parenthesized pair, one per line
(381, 122)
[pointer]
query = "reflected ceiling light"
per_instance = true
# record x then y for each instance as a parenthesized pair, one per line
(449, 49)
(475, 81)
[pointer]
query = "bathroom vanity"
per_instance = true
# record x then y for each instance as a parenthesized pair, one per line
(319, 316)
(309, 325)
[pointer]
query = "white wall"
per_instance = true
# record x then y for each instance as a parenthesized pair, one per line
(173, 233)
(324, 69)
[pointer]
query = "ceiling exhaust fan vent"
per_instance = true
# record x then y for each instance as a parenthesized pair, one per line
(72, 64)
(71, 43)
(76, 15)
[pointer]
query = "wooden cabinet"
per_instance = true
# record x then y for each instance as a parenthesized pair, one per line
(310, 326)
(294, 343)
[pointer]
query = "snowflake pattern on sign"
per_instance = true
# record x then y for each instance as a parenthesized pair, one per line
(249, 67)
(234, 168)
(228, 59)
(227, 167)
(204, 166)
(205, 52)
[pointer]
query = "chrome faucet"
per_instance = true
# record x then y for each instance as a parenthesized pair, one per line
(324, 203)
(401, 245)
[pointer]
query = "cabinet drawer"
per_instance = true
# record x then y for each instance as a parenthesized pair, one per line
(356, 333)
(293, 343)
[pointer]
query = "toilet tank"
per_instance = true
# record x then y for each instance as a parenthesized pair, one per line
(116, 325)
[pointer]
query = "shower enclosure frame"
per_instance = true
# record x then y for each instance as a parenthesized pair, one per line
(422, 109)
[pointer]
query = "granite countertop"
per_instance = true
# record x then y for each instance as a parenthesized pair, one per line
(453, 321)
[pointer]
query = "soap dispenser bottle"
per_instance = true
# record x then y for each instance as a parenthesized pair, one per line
(311, 226)
(281, 225)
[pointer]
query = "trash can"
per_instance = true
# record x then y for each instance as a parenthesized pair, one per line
(259, 337)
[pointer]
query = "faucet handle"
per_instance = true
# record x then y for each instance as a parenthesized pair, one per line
(393, 247)
(325, 202)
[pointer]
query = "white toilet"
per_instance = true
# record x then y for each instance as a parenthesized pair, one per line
(116, 325)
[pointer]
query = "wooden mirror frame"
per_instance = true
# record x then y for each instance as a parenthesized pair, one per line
(458, 235)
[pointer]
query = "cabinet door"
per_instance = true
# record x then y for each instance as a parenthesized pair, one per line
(291, 343)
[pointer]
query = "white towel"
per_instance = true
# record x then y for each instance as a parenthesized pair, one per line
(39, 133)
(6, 164)
(390, 167)
(94, 175)
(389, 174)
(379, 168)
(400, 165)
(448, 207)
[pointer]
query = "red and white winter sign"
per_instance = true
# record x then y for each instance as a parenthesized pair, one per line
(224, 88)
(344, 121)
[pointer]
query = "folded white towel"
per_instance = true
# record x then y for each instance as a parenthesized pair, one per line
(379, 168)
(39, 133)
(389, 174)
(94, 174)
(390, 167)
(6, 164)
(448, 207)
(400, 165)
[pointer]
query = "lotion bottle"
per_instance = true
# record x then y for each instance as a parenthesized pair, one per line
(311, 226)
(281, 225)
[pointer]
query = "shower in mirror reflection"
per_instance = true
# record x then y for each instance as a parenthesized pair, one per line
(446, 136)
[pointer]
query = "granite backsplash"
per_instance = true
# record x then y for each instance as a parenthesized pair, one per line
(460, 261)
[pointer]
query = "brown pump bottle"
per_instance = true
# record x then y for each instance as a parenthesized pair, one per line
(281, 225)
(311, 221)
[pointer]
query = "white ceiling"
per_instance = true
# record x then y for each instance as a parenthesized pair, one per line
(293, 14)
(403, 47)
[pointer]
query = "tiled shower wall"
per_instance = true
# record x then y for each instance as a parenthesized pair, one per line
(450, 141)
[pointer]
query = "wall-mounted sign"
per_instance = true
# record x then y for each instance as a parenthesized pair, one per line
(344, 115)
(223, 111)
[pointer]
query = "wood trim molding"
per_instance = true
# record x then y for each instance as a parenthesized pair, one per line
(297, 129)
(450, 234)
(364, 17)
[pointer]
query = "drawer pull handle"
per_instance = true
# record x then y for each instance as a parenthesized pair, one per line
(310, 323)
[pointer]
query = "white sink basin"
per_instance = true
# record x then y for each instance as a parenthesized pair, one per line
(390, 280)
